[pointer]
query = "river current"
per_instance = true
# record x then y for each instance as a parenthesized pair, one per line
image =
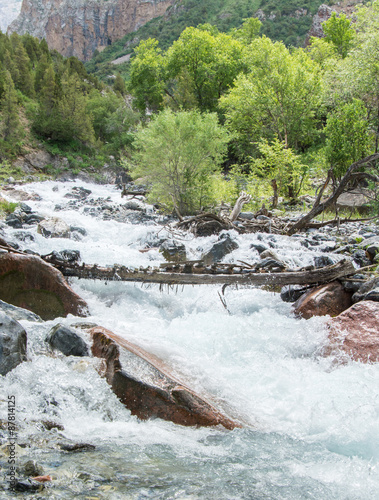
(311, 425)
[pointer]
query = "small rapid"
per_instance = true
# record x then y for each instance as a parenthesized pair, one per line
(311, 426)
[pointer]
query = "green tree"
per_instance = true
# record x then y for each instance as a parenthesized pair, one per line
(147, 76)
(177, 152)
(10, 126)
(348, 137)
(208, 60)
(282, 167)
(248, 31)
(339, 32)
(279, 97)
(119, 85)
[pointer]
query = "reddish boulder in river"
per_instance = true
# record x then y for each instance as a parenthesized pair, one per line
(144, 385)
(29, 282)
(330, 299)
(355, 332)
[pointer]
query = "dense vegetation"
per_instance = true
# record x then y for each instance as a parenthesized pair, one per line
(212, 114)
(45, 97)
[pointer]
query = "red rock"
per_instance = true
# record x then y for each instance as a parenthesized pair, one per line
(42, 479)
(157, 393)
(355, 332)
(330, 299)
(29, 282)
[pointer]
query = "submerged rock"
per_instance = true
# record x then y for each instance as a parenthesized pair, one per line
(150, 390)
(355, 333)
(29, 282)
(12, 344)
(330, 299)
(291, 293)
(67, 341)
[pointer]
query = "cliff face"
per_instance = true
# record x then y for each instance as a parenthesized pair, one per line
(78, 27)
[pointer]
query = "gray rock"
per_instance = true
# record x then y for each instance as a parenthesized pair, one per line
(272, 264)
(78, 193)
(67, 341)
(367, 291)
(372, 250)
(18, 313)
(290, 293)
(54, 228)
(259, 247)
(173, 251)
(220, 249)
(13, 220)
(12, 343)
(32, 468)
(323, 261)
(359, 256)
(353, 286)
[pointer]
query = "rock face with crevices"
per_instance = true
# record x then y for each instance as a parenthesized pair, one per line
(144, 385)
(79, 27)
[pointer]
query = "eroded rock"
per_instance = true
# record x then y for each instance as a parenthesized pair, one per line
(29, 282)
(330, 299)
(148, 390)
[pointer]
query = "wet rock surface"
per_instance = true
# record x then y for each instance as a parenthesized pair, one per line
(12, 344)
(355, 333)
(330, 299)
(160, 394)
(67, 341)
(29, 282)
(367, 291)
(220, 249)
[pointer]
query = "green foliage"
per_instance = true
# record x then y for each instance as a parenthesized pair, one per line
(10, 126)
(339, 32)
(7, 207)
(177, 153)
(348, 138)
(279, 97)
(281, 165)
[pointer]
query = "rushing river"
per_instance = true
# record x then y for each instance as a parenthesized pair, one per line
(311, 426)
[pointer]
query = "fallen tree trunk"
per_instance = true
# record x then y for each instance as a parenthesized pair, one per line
(245, 277)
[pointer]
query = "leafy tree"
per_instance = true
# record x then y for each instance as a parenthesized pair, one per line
(248, 31)
(348, 137)
(339, 32)
(282, 167)
(146, 76)
(119, 85)
(279, 97)
(209, 60)
(177, 152)
(10, 126)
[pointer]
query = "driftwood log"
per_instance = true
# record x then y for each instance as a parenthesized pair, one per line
(245, 276)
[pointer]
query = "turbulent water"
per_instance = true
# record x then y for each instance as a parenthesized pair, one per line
(311, 426)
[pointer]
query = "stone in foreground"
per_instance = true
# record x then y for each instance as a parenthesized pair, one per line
(355, 333)
(330, 299)
(12, 344)
(144, 385)
(29, 282)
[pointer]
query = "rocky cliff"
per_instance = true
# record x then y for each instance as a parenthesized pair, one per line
(78, 27)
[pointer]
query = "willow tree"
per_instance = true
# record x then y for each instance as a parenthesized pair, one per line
(177, 153)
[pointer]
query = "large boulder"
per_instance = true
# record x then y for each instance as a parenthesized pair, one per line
(67, 341)
(330, 299)
(18, 313)
(355, 333)
(29, 282)
(145, 386)
(12, 343)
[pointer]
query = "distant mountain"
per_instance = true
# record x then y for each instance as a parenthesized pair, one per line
(9, 10)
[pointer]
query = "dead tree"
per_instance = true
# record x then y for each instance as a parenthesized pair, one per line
(319, 207)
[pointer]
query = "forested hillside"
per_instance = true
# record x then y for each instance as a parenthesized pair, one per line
(211, 114)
